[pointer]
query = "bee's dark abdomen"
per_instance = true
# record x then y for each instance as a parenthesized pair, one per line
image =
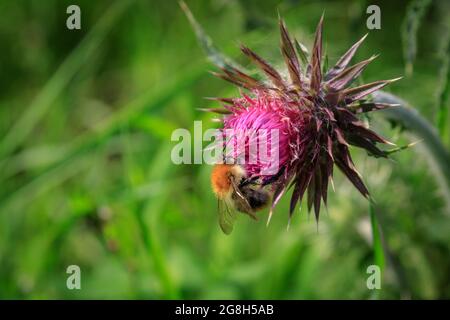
(257, 199)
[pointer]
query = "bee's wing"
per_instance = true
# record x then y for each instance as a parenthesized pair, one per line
(227, 216)
(242, 200)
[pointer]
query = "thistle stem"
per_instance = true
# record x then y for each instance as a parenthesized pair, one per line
(438, 156)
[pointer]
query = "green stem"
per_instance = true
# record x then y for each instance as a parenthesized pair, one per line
(382, 255)
(378, 249)
(437, 155)
(377, 242)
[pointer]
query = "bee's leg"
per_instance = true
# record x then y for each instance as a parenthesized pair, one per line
(246, 209)
(252, 214)
(273, 178)
(241, 201)
(243, 207)
(247, 181)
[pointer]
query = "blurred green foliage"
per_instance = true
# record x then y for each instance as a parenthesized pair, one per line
(86, 178)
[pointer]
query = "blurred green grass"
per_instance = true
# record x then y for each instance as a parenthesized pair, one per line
(86, 177)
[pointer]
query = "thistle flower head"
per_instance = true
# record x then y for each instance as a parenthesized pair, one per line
(271, 125)
(315, 112)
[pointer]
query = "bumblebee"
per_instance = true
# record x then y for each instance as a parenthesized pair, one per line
(236, 191)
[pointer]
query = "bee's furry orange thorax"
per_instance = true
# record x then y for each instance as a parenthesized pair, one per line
(220, 180)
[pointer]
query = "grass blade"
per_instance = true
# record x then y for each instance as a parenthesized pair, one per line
(443, 95)
(213, 54)
(414, 15)
(60, 79)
